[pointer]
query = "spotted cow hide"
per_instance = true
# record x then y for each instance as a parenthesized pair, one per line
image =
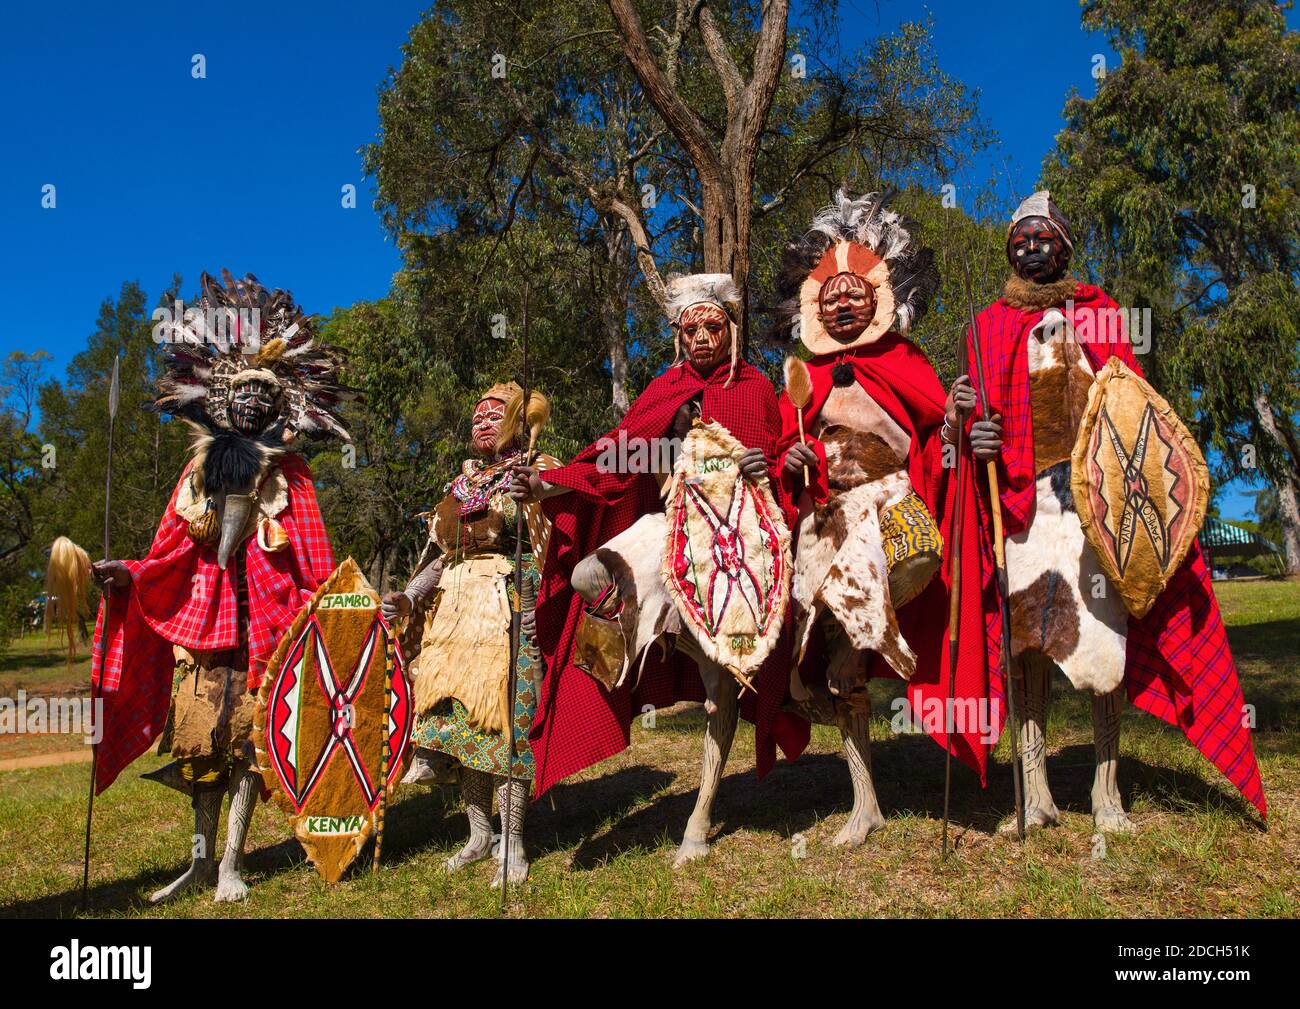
(1061, 602)
(840, 568)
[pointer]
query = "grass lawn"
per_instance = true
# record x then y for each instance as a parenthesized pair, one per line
(606, 849)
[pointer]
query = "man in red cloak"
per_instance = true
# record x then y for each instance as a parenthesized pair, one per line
(239, 550)
(865, 478)
(1174, 662)
(600, 494)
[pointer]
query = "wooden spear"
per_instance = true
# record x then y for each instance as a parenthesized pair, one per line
(114, 391)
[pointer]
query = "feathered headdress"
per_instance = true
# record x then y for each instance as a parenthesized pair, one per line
(863, 237)
(242, 331)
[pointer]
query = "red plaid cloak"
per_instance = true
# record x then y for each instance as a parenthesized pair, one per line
(178, 596)
(1178, 664)
(899, 377)
(578, 722)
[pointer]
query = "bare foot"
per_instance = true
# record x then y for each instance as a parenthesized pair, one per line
(690, 851)
(200, 873)
(475, 850)
(1112, 820)
(858, 828)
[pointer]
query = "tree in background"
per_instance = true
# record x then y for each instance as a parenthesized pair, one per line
(1181, 178)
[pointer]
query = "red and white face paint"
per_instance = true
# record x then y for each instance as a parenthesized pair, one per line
(846, 306)
(705, 335)
(486, 426)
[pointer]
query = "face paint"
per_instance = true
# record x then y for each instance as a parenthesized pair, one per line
(486, 426)
(1037, 250)
(846, 306)
(252, 405)
(705, 335)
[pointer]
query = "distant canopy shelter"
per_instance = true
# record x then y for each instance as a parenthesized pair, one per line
(1218, 536)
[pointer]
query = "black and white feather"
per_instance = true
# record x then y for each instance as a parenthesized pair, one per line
(241, 329)
(867, 220)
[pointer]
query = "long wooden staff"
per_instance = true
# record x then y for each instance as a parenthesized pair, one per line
(999, 560)
(114, 389)
(386, 760)
(516, 628)
(954, 605)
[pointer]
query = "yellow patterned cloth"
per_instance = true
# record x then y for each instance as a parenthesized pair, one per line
(913, 547)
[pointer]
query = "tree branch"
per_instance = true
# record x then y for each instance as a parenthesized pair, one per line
(716, 46)
(684, 123)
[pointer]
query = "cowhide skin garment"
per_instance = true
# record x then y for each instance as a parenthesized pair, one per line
(1055, 578)
(840, 568)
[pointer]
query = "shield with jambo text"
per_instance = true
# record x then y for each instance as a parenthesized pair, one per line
(1140, 485)
(334, 693)
(727, 562)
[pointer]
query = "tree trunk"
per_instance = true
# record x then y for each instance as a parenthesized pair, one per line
(613, 314)
(1288, 505)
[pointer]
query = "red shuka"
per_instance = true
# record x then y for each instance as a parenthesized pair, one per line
(578, 722)
(178, 596)
(1178, 664)
(899, 377)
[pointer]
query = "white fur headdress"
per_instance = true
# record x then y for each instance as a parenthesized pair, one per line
(854, 235)
(684, 290)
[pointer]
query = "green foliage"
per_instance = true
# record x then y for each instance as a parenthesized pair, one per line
(1181, 174)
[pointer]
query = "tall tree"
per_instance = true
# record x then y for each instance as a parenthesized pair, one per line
(1182, 176)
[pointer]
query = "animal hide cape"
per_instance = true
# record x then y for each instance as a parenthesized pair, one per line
(322, 713)
(578, 721)
(179, 596)
(726, 561)
(1178, 665)
(1140, 485)
(897, 376)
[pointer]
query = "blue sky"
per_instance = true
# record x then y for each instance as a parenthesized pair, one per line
(157, 172)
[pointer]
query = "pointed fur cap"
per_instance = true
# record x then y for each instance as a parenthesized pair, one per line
(1040, 204)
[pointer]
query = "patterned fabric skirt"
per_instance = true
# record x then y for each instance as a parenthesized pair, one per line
(446, 728)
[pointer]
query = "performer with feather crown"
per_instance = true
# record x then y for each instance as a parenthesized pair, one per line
(867, 490)
(460, 601)
(183, 636)
(1102, 491)
(667, 530)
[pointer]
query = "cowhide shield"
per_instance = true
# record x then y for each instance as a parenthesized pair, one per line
(1140, 485)
(320, 720)
(726, 561)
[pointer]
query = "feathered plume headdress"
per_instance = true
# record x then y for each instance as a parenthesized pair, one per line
(861, 236)
(242, 331)
(684, 290)
(239, 332)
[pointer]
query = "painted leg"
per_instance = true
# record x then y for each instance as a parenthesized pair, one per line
(244, 787)
(1034, 694)
(720, 703)
(203, 864)
(476, 790)
(854, 718)
(513, 807)
(1107, 808)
